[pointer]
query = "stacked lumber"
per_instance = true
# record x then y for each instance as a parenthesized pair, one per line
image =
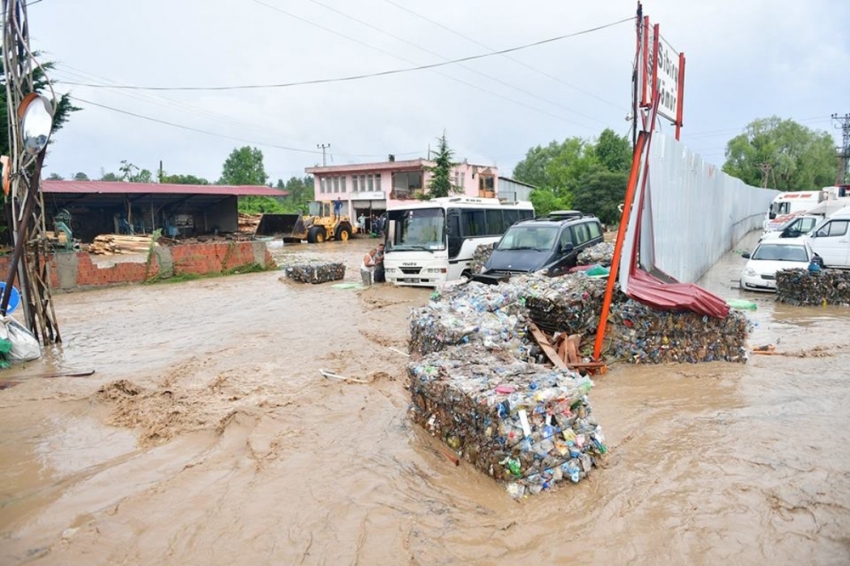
(110, 244)
(248, 222)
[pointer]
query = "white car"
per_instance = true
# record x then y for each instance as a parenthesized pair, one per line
(771, 256)
(794, 228)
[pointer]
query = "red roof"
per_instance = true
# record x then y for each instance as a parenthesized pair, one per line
(119, 187)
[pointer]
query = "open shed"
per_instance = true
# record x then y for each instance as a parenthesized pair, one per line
(105, 207)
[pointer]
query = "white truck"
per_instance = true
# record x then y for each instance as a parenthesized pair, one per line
(830, 239)
(786, 206)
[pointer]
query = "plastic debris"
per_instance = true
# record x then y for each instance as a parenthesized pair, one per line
(802, 288)
(523, 424)
(315, 272)
(640, 334)
(601, 254)
(480, 256)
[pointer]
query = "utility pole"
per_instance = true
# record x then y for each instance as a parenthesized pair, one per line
(765, 170)
(843, 123)
(323, 147)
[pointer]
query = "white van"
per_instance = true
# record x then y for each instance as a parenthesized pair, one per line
(830, 239)
(787, 205)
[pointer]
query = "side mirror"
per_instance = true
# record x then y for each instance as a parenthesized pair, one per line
(745, 255)
(771, 215)
(567, 248)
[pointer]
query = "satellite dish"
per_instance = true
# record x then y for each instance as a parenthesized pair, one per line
(36, 115)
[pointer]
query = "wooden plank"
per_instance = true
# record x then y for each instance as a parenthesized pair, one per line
(547, 348)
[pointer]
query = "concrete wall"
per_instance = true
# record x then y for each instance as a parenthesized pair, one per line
(696, 212)
(78, 270)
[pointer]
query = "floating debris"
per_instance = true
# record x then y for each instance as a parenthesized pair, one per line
(523, 424)
(601, 254)
(801, 288)
(315, 272)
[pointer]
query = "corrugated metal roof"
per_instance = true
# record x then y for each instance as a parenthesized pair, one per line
(118, 187)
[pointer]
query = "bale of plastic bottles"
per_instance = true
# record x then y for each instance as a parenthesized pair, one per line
(523, 424)
(600, 254)
(315, 272)
(571, 303)
(801, 288)
(640, 334)
(480, 256)
(492, 315)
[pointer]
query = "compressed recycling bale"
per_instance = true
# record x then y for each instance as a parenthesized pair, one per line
(523, 424)
(800, 287)
(315, 272)
(474, 312)
(600, 254)
(640, 334)
(571, 303)
(480, 256)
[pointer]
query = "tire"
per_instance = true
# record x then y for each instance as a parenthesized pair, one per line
(467, 273)
(316, 235)
(343, 232)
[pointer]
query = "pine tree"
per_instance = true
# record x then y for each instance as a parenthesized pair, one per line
(441, 184)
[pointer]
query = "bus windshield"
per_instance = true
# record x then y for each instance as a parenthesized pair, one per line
(416, 229)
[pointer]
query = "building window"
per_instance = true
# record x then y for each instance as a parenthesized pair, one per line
(354, 183)
(459, 179)
(343, 185)
(324, 185)
(407, 185)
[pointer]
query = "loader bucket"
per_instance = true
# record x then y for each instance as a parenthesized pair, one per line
(286, 226)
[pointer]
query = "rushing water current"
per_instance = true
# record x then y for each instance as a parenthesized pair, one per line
(208, 436)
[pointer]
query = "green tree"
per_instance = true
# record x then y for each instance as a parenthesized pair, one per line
(533, 169)
(798, 158)
(62, 112)
(545, 201)
(441, 184)
(600, 193)
(613, 152)
(184, 180)
(300, 192)
(109, 177)
(244, 166)
(80, 176)
(55, 177)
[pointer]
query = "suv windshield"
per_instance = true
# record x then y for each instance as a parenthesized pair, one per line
(780, 252)
(417, 229)
(529, 237)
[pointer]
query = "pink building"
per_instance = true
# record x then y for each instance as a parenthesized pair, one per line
(371, 188)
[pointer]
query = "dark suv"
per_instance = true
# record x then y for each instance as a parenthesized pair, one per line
(547, 243)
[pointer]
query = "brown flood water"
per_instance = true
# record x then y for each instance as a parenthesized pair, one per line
(208, 436)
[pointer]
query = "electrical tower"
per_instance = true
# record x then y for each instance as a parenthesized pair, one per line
(25, 203)
(323, 147)
(843, 123)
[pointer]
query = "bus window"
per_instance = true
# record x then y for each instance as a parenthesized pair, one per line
(495, 225)
(525, 214)
(473, 223)
(510, 216)
(455, 239)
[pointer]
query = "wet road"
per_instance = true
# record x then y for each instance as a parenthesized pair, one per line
(208, 436)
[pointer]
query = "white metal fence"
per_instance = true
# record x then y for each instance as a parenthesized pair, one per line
(695, 212)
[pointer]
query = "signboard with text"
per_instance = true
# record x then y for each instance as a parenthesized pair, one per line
(661, 73)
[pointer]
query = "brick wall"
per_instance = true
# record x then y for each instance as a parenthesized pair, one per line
(77, 270)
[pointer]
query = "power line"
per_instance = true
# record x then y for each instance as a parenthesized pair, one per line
(441, 56)
(354, 77)
(515, 60)
(209, 133)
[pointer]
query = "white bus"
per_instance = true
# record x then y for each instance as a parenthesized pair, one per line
(431, 242)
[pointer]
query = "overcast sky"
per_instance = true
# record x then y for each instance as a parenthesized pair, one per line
(746, 59)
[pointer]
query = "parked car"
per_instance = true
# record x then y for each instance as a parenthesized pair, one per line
(550, 244)
(771, 256)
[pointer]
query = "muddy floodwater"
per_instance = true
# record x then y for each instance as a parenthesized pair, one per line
(208, 436)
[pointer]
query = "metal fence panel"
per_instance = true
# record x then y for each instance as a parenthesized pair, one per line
(698, 212)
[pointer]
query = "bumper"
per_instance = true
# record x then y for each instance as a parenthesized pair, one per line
(756, 283)
(420, 280)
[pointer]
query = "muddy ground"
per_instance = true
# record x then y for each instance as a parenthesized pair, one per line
(208, 436)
